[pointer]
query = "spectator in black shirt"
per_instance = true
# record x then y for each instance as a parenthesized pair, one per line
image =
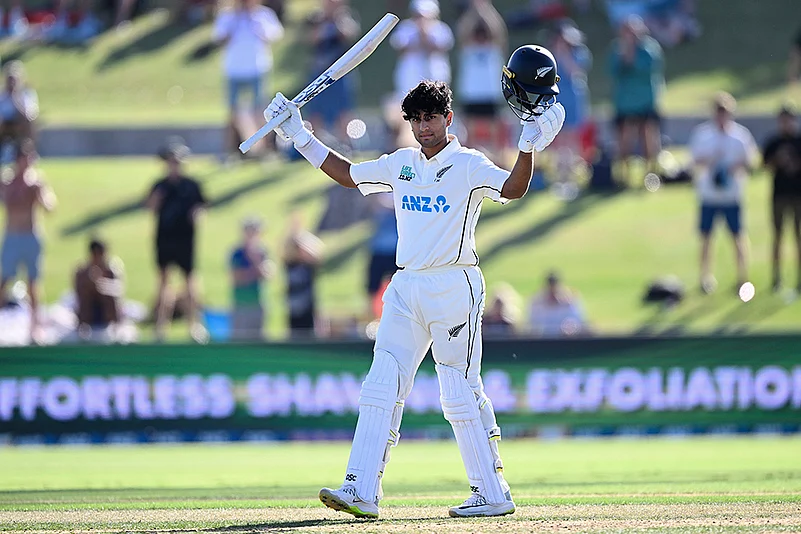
(782, 155)
(178, 202)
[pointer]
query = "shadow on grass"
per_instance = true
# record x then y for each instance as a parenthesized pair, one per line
(95, 219)
(156, 39)
(334, 262)
(541, 229)
(202, 52)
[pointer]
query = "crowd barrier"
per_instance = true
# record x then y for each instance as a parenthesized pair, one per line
(581, 387)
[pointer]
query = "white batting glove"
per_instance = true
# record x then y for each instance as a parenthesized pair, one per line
(551, 122)
(530, 135)
(291, 128)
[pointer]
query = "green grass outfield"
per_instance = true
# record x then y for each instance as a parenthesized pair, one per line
(153, 72)
(714, 485)
(607, 247)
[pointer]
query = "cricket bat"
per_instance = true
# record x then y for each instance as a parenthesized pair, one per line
(349, 61)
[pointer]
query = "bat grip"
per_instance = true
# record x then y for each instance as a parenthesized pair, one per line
(263, 131)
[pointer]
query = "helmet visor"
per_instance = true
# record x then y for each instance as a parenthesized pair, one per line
(525, 105)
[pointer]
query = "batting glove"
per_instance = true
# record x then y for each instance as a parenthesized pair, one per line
(531, 134)
(550, 122)
(292, 127)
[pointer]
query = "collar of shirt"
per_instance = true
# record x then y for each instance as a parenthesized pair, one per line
(451, 148)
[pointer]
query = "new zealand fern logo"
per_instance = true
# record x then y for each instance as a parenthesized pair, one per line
(454, 330)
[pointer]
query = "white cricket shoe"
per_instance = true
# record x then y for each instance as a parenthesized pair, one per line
(477, 506)
(346, 500)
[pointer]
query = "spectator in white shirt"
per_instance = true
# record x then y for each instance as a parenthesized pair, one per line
(422, 42)
(723, 152)
(482, 54)
(246, 31)
(556, 311)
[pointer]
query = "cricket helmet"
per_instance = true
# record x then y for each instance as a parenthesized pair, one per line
(529, 81)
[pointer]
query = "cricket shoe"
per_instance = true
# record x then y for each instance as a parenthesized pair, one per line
(346, 500)
(477, 506)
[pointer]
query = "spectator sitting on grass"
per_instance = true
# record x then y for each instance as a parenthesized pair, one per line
(98, 289)
(500, 319)
(556, 311)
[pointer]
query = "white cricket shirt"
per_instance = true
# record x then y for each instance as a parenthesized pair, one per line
(437, 200)
(247, 55)
(733, 147)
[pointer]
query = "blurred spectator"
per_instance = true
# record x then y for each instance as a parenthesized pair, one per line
(723, 152)
(302, 256)
(794, 64)
(482, 53)
(250, 268)
(638, 77)
(782, 155)
(22, 243)
(331, 31)
(422, 42)
(673, 22)
(99, 290)
(246, 31)
(13, 22)
(502, 315)
(574, 61)
(72, 25)
(556, 311)
(535, 13)
(19, 107)
(178, 202)
(383, 246)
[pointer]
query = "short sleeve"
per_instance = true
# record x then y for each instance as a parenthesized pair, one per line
(270, 27)
(372, 176)
(442, 36)
(402, 35)
(698, 145)
(487, 176)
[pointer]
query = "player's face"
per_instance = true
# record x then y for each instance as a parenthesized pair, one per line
(431, 129)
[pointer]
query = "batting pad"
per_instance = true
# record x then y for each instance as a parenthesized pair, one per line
(460, 406)
(377, 401)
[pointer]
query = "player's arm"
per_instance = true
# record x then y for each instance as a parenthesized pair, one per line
(537, 134)
(517, 184)
(318, 154)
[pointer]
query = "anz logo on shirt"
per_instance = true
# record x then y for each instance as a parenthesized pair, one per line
(424, 204)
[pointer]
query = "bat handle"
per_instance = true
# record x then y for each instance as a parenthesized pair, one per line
(263, 131)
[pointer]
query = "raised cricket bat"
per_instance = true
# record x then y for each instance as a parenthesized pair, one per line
(349, 61)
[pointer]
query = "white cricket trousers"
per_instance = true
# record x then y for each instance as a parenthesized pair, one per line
(442, 308)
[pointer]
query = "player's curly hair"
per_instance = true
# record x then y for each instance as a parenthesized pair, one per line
(427, 97)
